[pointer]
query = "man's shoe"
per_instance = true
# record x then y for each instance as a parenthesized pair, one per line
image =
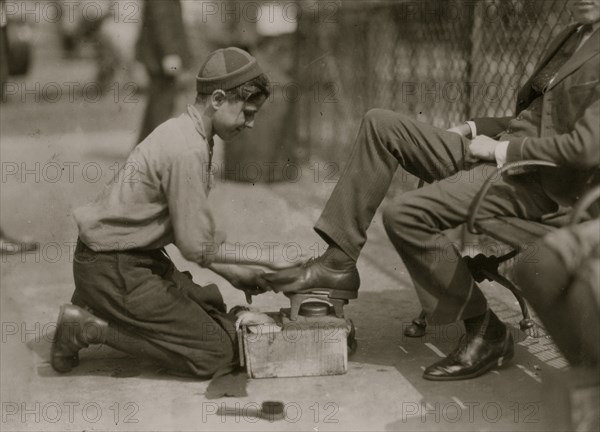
(473, 357)
(314, 275)
(76, 328)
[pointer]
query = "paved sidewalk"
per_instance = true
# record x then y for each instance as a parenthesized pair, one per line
(383, 389)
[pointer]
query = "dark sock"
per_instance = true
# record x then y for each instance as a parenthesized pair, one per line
(336, 258)
(487, 325)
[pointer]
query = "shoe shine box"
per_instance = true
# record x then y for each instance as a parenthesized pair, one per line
(308, 346)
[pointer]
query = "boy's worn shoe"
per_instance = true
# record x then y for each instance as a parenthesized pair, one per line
(76, 328)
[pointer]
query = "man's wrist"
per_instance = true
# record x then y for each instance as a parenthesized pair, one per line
(500, 153)
(472, 128)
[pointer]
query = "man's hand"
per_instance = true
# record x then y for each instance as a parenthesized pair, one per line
(483, 148)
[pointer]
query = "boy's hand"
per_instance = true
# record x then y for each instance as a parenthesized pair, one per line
(249, 280)
(245, 278)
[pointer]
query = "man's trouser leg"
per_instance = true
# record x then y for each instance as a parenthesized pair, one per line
(416, 219)
(161, 103)
(385, 140)
(415, 222)
(142, 295)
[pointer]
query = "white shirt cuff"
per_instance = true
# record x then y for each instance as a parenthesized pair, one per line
(500, 153)
(473, 127)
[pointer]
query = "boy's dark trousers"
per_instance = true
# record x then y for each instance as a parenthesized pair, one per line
(178, 323)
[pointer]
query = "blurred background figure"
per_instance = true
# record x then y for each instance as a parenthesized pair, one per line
(15, 58)
(3, 49)
(163, 49)
(15, 46)
(68, 30)
(269, 32)
(117, 35)
(105, 30)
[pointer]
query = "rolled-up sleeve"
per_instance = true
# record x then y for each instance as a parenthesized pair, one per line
(190, 214)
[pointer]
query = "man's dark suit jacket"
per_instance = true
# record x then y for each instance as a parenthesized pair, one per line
(570, 125)
(162, 34)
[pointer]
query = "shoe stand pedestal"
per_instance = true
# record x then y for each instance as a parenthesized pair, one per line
(315, 343)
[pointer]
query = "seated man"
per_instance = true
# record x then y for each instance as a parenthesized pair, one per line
(563, 286)
(558, 119)
(141, 303)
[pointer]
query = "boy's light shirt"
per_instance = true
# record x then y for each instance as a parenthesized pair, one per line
(160, 196)
(197, 118)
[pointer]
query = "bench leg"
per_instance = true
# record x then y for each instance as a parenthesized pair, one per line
(486, 268)
(418, 326)
(526, 324)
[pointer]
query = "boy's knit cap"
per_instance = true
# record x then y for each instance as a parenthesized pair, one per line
(226, 69)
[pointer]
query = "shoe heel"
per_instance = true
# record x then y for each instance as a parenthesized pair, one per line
(509, 351)
(60, 363)
(61, 312)
(342, 294)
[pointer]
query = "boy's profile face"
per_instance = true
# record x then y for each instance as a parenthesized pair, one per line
(232, 116)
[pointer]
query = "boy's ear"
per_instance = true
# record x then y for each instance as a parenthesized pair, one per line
(217, 99)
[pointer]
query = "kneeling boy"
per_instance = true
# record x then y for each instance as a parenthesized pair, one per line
(128, 293)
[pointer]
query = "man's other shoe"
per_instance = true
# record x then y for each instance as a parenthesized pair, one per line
(473, 357)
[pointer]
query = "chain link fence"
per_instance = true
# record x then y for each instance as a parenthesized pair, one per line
(440, 61)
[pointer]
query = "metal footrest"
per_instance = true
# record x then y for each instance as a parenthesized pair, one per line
(296, 300)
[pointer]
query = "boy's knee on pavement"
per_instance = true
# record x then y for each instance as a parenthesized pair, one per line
(207, 364)
(211, 361)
